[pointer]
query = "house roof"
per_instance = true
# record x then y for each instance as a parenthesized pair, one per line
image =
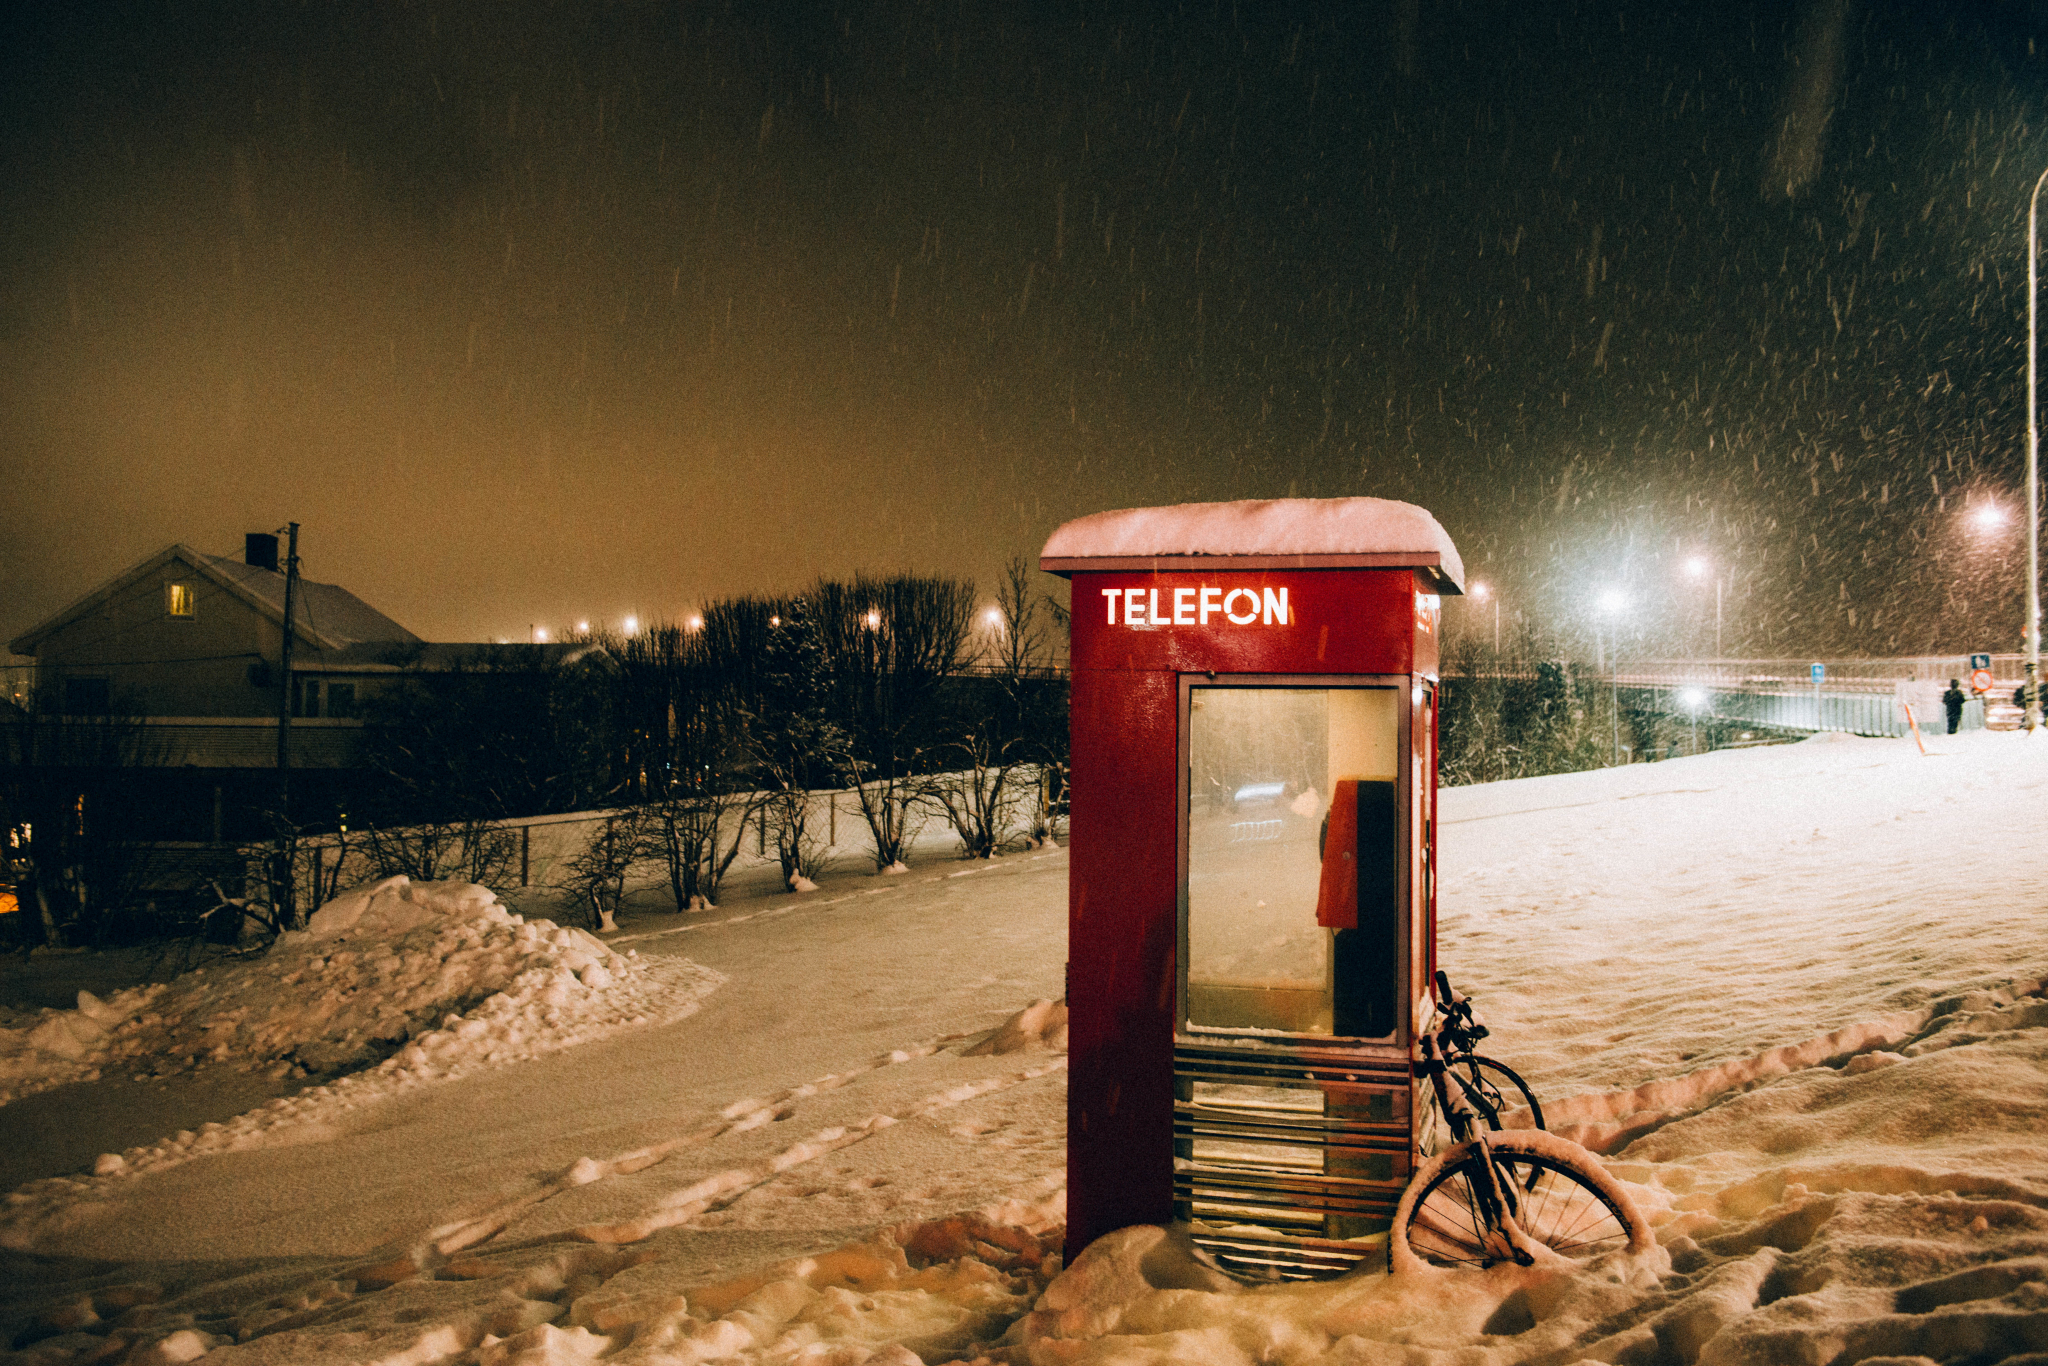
(324, 616)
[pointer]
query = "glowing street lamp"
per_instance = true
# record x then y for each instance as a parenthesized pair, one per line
(2033, 628)
(693, 623)
(1698, 568)
(1481, 592)
(583, 628)
(540, 635)
(1611, 604)
(1694, 699)
(632, 625)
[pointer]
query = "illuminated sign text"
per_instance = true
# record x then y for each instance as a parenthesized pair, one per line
(1196, 606)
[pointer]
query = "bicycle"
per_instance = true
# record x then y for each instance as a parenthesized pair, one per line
(1497, 1195)
(1491, 1087)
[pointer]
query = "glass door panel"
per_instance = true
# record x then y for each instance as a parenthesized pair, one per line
(1293, 848)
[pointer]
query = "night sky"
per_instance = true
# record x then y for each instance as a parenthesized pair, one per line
(531, 313)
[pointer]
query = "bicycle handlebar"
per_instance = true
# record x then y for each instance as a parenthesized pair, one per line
(1460, 1028)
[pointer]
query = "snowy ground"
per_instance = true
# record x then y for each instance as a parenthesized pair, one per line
(1793, 994)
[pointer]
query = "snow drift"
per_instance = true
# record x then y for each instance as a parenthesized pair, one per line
(389, 986)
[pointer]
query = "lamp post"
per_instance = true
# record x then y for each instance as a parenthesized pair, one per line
(1611, 603)
(2033, 627)
(1693, 699)
(1695, 568)
(1482, 592)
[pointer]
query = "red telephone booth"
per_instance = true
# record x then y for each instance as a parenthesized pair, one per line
(1251, 928)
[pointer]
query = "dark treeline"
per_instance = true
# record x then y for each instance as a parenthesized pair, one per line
(694, 733)
(691, 735)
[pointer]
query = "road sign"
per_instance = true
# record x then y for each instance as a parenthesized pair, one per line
(1980, 680)
(1980, 661)
(1819, 671)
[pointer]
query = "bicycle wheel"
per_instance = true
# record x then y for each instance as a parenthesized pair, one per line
(1499, 1085)
(1569, 1206)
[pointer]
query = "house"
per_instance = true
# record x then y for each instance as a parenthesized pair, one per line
(191, 644)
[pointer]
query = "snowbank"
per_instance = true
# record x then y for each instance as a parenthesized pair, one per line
(1817, 1059)
(390, 986)
(932, 1290)
(1275, 526)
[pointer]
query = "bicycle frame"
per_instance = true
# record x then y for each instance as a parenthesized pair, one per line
(1471, 1117)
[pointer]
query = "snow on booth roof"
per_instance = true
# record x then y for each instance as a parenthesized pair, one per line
(1274, 533)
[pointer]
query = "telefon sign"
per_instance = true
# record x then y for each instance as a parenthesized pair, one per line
(1196, 606)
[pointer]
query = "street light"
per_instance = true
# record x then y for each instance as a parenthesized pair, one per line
(1694, 699)
(1480, 593)
(1611, 604)
(2033, 628)
(632, 625)
(1698, 568)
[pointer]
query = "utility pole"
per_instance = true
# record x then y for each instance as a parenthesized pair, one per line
(284, 682)
(2032, 635)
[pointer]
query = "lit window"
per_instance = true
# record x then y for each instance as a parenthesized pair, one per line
(179, 598)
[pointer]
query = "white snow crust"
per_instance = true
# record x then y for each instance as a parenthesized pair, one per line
(1793, 995)
(439, 976)
(1274, 526)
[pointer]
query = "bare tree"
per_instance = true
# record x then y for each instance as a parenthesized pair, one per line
(473, 850)
(597, 871)
(1007, 726)
(683, 737)
(792, 733)
(890, 647)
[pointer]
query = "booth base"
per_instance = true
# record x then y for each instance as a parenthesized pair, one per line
(1289, 1157)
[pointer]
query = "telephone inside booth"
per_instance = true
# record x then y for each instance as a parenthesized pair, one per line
(1251, 902)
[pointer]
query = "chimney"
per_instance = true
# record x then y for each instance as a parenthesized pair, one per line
(259, 550)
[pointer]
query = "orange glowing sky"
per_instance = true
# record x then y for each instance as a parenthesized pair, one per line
(532, 313)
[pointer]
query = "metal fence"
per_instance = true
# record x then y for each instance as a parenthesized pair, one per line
(1855, 696)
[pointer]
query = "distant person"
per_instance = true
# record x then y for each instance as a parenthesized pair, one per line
(1953, 700)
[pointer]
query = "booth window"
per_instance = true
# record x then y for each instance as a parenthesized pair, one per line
(180, 600)
(1293, 860)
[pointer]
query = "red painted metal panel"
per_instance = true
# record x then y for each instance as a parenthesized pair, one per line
(1339, 621)
(1123, 891)
(1121, 927)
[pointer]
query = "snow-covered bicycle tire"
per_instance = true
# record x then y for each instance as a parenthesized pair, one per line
(1571, 1206)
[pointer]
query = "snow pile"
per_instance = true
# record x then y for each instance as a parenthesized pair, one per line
(1816, 1057)
(396, 983)
(931, 1290)
(58, 1046)
(1275, 526)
